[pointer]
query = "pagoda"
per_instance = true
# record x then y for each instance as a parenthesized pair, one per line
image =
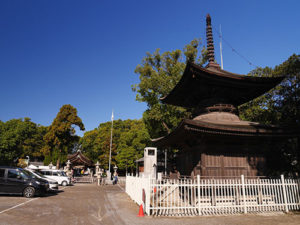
(216, 142)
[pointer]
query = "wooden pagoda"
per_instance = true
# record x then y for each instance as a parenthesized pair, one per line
(216, 142)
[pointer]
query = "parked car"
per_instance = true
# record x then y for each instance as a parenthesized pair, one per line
(53, 184)
(14, 180)
(57, 175)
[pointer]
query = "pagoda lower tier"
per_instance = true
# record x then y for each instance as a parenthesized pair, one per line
(219, 144)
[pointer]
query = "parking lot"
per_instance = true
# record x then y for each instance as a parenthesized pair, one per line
(91, 204)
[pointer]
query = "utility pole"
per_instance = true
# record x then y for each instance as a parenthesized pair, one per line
(111, 133)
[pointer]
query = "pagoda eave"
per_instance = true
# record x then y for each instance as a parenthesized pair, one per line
(198, 85)
(189, 128)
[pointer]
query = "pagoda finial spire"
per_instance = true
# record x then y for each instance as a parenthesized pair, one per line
(210, 43)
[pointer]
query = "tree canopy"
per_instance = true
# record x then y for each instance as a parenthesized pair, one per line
(20, 138)
(130, 137)
(60, 137)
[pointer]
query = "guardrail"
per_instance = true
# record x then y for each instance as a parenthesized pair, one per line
(187, 197)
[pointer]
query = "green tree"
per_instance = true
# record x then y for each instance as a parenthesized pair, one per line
(60, 137)
(96, 143)
(129, 138)
(261, 109)
(90, 144)
(20, 138)
(131, 145)
(158, 74)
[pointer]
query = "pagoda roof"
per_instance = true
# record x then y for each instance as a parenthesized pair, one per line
(79, 159)
(187, 129)
(201, 86)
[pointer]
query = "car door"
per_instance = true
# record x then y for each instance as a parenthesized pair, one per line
(2, 180)
(56, 176)
(14, 182)
(46, 173)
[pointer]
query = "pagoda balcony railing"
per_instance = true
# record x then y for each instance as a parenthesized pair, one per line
(218, 108)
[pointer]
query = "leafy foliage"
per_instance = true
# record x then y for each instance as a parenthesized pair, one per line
(158, 74)
(129, 139)
(20, 138)
(131, 145)
(60, 136)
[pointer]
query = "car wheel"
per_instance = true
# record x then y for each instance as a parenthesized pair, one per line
(64, 183)
(29, 192)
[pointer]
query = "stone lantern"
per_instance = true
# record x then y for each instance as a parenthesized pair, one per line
(97, 167)
(68, 164)
(115, 168)
(68, 168)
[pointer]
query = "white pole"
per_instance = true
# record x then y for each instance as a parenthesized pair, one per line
(284, 194)
(221, 47)
(165, 162)
(244, 193)
(148, 192)
(198, 187)
(111, 133)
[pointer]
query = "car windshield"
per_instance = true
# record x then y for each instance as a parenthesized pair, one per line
(29, 173)
(35, 174)
(38, 173)
(25, 174)
(61, 173)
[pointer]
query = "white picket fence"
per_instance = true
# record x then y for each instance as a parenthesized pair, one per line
(83, 179)
(189, 197)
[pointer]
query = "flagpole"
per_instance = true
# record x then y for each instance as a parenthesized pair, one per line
(221, 48)
(111, 133)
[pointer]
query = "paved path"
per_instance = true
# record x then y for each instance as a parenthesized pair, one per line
(90, 204)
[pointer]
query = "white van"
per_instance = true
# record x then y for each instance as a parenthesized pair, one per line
(53, 184)
(57, 175)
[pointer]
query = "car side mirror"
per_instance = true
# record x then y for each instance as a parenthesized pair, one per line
(19, 177)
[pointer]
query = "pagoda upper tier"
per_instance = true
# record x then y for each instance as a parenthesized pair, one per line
(202, 87)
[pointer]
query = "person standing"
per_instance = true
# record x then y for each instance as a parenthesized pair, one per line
(115, 181)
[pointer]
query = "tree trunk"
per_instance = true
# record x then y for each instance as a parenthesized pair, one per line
(57, 164)
(166, 127)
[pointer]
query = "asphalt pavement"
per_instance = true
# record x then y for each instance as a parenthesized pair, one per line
(109, 204)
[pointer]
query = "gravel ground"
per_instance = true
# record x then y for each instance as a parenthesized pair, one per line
(91, 204)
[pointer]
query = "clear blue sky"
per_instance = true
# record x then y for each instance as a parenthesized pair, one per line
(56, 52)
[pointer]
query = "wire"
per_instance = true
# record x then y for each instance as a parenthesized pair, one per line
(229, 45)
(234, 50)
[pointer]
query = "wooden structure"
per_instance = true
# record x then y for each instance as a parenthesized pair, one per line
(78, 159)
(216, 143)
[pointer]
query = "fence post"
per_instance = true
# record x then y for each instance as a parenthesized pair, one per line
(244, 193)
(126, 183)
(148, 192)
(284, 194)
(198, 187)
